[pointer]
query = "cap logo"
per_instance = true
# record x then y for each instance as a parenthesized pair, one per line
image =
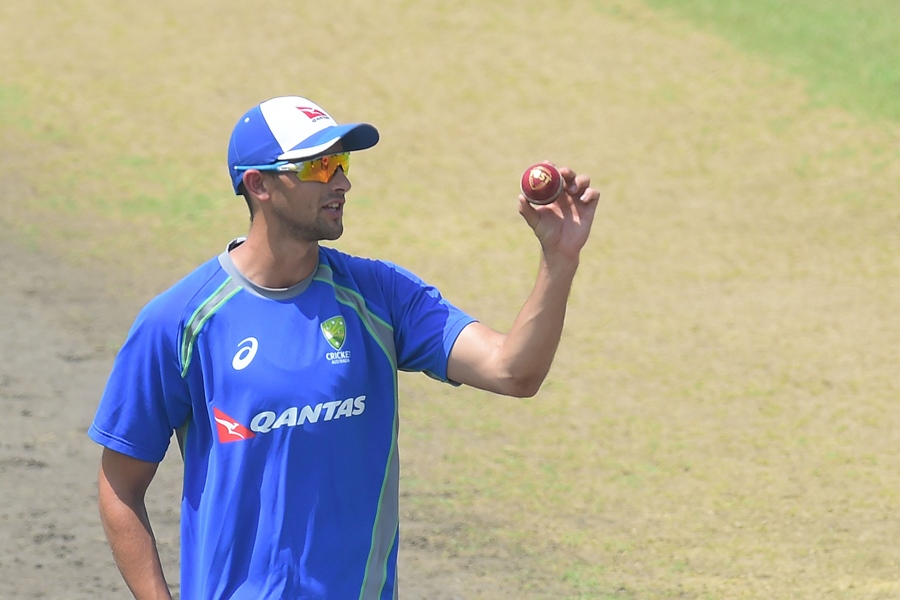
(314, 114)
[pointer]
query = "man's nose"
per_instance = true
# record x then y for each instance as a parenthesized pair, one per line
(339, 181)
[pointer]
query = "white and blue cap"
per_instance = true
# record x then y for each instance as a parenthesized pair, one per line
(290, 128)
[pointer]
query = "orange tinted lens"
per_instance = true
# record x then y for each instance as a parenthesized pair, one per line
(322, 169)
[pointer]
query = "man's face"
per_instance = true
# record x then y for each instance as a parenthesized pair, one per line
(308, 210)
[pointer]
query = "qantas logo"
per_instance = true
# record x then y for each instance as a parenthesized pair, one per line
(230, 430)
(314, 114)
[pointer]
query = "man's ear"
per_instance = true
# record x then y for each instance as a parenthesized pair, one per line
(256, 185)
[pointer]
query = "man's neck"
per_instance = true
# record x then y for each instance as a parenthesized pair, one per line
(275, 266)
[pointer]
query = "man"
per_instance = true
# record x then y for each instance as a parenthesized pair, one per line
(276, 364)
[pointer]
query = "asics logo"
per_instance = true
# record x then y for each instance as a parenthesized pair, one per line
(246, 351)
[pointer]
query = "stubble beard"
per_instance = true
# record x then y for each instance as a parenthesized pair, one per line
(315, 232)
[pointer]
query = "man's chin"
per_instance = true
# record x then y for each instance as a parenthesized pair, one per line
(334, 234)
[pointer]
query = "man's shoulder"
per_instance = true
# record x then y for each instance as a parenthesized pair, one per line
(183, 298)
(354, 266)
(338, 259)
(344, 267)
(378, 281)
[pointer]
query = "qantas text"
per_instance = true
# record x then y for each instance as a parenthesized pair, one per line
(267, 420)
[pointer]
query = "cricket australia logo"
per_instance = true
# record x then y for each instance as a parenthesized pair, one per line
(335, 332)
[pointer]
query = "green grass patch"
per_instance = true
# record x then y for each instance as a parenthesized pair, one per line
(14, 107)
(848, 52)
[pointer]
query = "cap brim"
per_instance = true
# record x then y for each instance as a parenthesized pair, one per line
(353, 137)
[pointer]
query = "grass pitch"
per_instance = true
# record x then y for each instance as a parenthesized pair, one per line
(720, 420)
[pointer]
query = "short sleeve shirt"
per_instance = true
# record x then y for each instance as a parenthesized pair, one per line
(286, 405)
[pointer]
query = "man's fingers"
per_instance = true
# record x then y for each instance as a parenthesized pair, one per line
(528, 212)
(590, 195)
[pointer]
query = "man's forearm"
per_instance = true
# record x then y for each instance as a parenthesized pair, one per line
(528, 349)
(133, 546)
(516, 363)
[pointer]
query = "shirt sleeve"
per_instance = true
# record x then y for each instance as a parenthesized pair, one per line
(145, 398)
(425, 324)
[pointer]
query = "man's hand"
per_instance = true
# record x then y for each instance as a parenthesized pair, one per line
(563, 226)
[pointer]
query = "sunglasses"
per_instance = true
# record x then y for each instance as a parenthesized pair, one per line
(320, 169)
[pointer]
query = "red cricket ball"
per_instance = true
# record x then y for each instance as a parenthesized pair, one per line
(542, 183)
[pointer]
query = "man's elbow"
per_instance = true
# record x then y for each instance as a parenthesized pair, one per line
(523, 386)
